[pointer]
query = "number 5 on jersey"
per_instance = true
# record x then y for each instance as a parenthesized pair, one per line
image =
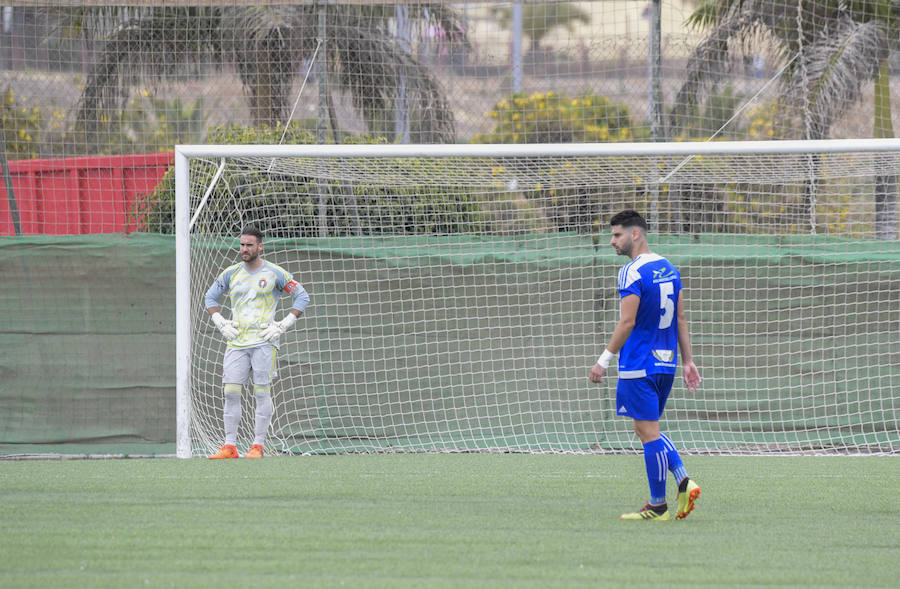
(666, 304)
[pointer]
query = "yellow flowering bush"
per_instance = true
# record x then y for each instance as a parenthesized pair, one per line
(762, 122)
(21, 126)
(553, 117)
(33, 130)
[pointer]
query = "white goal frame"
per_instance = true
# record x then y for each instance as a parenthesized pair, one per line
(185, 153)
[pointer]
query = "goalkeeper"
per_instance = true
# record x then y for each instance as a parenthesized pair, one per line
(253, 286)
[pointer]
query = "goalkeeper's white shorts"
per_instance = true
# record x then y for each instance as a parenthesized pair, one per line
(240, 364)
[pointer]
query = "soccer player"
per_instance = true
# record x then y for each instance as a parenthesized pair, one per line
(253, 287)
(652, 329)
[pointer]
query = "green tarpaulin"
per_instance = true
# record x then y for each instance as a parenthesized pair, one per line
(462, 342)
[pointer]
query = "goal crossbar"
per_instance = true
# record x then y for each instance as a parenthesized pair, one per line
(546, 149)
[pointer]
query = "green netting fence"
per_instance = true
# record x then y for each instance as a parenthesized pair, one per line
(462, 342)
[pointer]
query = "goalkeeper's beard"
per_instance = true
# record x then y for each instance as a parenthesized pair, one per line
(249, 258)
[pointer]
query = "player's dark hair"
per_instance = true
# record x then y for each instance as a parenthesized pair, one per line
(628, 219)
(253, 231)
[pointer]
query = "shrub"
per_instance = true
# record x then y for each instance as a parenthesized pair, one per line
(763, 120)
(556, 118)
(21, 126)
(147, 125)
(715, 117)
(287, 204)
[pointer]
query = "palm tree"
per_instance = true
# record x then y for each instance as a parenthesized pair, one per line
(539, 19)
(267, 44)
(831, 48)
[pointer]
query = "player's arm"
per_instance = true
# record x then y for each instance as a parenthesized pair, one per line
(688, 368)
(213, 294)
(300, 300)
(627, 318)
(299, 296)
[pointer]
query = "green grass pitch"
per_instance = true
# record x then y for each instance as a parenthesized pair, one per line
(445, 520)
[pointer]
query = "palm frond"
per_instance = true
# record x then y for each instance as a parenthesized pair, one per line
(252, 25)
(832, 70)
(445, 17)
(371, 66)
(156, 46)
(709, 63)
(710, 12)
(267, 44)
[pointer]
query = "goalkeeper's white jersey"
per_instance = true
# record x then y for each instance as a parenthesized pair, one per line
(254, 297)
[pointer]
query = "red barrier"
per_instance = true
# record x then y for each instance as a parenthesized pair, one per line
(81, 194)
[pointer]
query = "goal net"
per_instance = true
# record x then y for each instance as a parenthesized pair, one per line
(460, 294)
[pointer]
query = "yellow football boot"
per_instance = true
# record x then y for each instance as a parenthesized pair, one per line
(688, 491)
(659, 513)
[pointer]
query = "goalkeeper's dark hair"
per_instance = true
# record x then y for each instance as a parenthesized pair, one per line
(629, 218)
(251, 230)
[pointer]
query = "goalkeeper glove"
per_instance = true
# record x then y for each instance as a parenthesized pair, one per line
(276, 328)
(226, 327)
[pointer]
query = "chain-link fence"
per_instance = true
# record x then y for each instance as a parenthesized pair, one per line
(86, 78)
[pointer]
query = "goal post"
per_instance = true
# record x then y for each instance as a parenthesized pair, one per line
(182, 305)
(461, 292)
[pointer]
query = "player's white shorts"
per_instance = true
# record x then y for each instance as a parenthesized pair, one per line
(240, 364)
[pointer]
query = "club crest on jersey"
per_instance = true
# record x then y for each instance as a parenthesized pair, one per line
(290, 286)
(663, 275)
(262, 283)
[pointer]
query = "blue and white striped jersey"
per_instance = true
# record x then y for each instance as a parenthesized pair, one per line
(652, 347)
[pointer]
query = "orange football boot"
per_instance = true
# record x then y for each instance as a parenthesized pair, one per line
(227, 451)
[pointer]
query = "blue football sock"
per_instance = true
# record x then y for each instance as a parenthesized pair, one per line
(675, 464)
(657, 462)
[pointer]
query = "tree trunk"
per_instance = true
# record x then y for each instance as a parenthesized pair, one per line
(262, 102)
(885, 185)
